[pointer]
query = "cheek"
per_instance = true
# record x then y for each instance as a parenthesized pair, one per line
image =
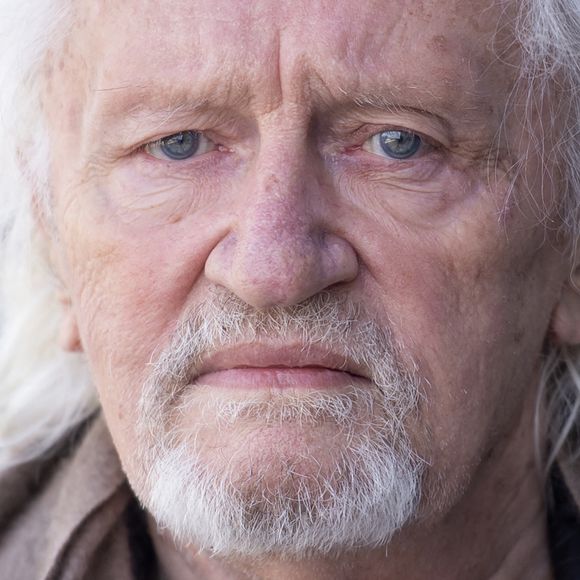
(132, 266)
(427, 194)
(137, 239)
(129, 286)
(465, 305)
(143, 191)
(127, 298)
(140, 202)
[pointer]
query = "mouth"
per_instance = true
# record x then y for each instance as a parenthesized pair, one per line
(259, 366)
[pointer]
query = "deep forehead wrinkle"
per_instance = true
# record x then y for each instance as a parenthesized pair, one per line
(237, 95)
(128, 108)
(254, 64)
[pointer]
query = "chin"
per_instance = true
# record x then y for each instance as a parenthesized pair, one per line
(286, 476)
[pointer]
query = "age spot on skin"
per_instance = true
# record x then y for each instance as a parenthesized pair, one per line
(73, 116)
(48, 71)
(518, 336)
(439, 43)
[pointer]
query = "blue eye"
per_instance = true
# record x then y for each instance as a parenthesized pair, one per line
(180, 146)
(396, 144)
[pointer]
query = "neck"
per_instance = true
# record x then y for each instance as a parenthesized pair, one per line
(467, 554)
(496, 530)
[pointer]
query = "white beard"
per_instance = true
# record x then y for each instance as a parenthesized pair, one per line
(355, 489)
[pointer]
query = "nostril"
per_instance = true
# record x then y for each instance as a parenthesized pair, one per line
(265, 271)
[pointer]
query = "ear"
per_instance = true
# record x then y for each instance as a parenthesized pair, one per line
(566, 317)
(69, 337)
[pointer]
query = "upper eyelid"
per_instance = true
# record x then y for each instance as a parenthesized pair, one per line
(159, 140)
(148, 148)
(426, 140)
(140, 145)
(429, 133)
(144, 146)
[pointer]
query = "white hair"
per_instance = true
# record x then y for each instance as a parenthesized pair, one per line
(44, 392)
(548, 32)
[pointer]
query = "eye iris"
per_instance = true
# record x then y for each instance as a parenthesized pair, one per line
(400, 144)
(181, 145)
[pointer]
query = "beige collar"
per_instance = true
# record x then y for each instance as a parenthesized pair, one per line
(66, 520)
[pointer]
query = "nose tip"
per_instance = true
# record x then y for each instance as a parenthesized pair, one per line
(280, 260)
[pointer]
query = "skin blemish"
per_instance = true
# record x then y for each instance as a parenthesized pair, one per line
(439, 43)
(73, 115)
(47, 72)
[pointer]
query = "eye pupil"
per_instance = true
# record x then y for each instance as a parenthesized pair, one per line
(181, 145)
(399, 144)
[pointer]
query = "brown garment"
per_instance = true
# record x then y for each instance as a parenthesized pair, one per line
(69, 518)
(66, 519)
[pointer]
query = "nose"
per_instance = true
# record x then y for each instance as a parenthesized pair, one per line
(281, 247)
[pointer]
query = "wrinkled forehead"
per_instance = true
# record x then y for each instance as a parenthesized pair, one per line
(265, 51)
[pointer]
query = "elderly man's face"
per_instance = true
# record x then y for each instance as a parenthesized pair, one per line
(260, 155)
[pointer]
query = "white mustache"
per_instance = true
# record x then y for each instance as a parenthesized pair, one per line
(328, 321)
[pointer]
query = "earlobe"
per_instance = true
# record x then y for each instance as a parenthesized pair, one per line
(69, 337)
(566, 316)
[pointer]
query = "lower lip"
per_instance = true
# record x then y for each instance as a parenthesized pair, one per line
(278, 378)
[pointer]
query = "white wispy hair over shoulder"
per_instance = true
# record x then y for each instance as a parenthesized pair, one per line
(44, 391)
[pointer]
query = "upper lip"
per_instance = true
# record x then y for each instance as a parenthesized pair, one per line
(259, 355)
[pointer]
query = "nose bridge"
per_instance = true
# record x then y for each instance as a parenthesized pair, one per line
(280, 250)
(278, 235)
(279, 209)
